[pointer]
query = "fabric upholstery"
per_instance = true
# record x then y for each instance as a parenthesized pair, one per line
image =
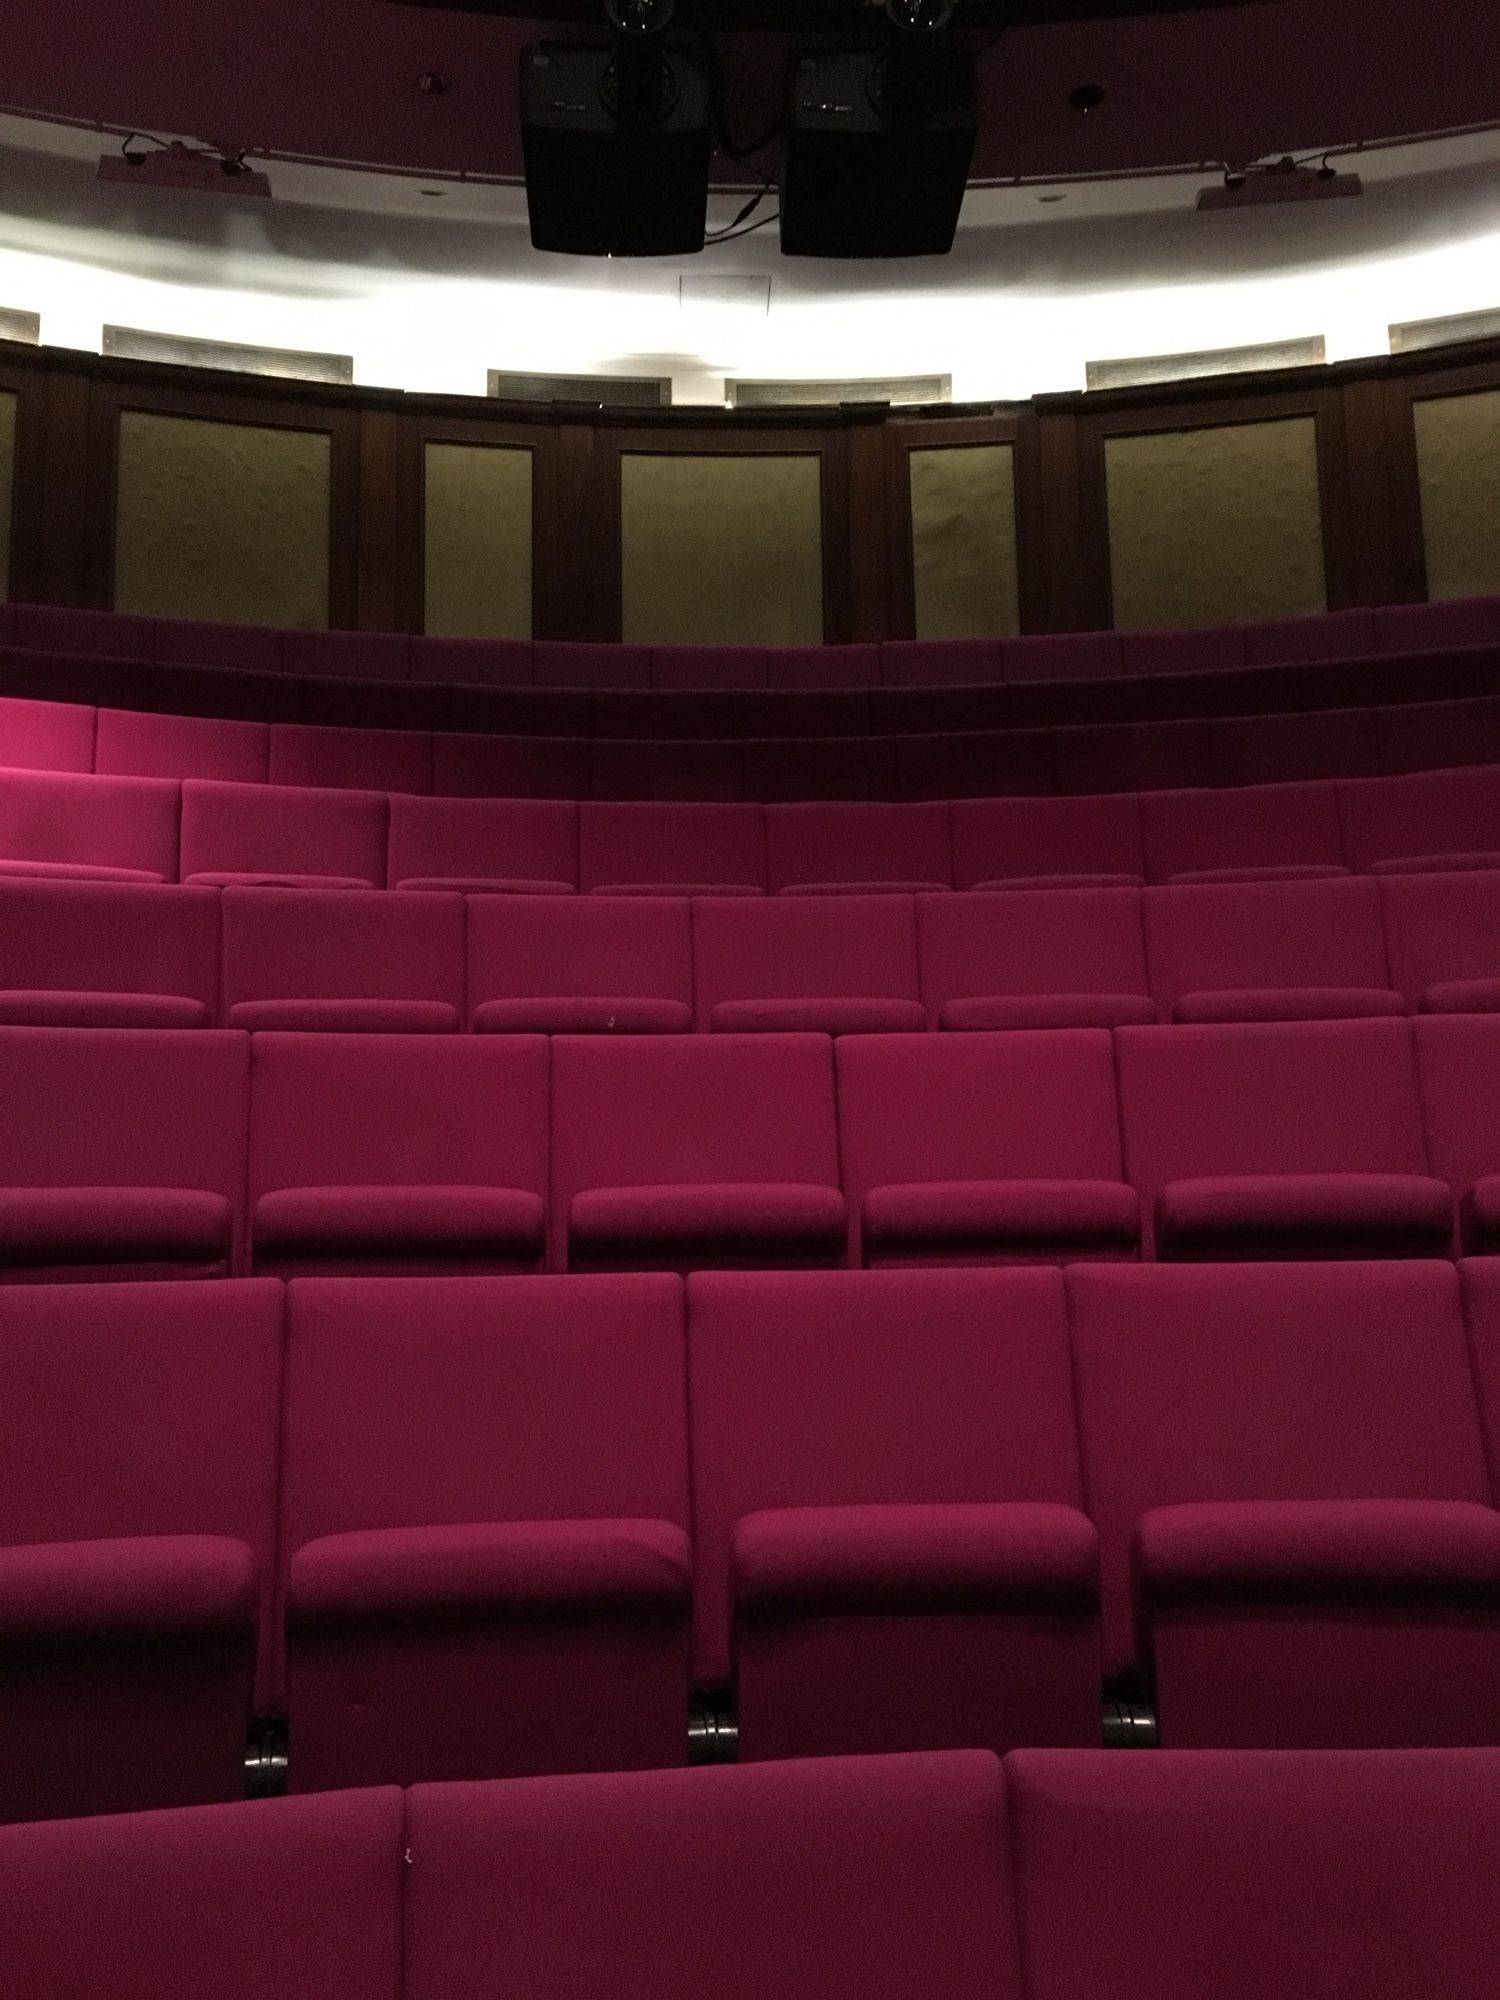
(1039, 946)
(363, 962)
(1442, 933)
(133, 745)
(46, 735)
(351, 759)
(477, 840)
(1304, 1215)
(66, 820)
(1428, 815)
(580, 964)
(73, 940)
(273, 831)
(1209, 941)
(835, 844)
(1253, 826)
(724, 1224)
(677, 843)
(838, 966)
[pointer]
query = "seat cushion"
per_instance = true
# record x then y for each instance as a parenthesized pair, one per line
(677, 889)
(1479, 1217)
(1462, 996)
(863, 888)
(1435, 864)
(398, 1222)
(1048, 1010)
(28, 1009)
(215, 879)
(1304, 1215)
(1286, 871)
(70, 1226)
(839, 1014)
(1071, 881)
(1007, 1556)
(134, 1587)
(583, 1014)
(1004, 1218)
(756, 1220)
(79, 871)
(1289, 1003)
(347, 1017)
(486, 885)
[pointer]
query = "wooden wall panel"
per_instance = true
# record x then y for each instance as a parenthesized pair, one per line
(1458, 461)
(477, 537)
(965, 575)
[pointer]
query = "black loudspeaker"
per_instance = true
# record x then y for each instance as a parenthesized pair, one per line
(616, 143)
(877, 153)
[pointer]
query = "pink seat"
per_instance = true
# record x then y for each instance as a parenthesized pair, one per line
(255, 649)
(1458, 1065)
(587, 663)
(59, 628)
(1414, 628)
(1432, 820)
(837, 965)
(1442, 933)
(388, 708)
(692, 1152)
(1033, 959)
(180, 746)
(1063, 656)
(974, 765)
(212, 694)
(397, 1154)
(1281, 1140)
(528, 845)
(46, 735)
(510, 767)
(1431, 735)
(282, 835)
(707, 667)
(295, 958)
(1205, 649)
(1329, 635)
(803, 712)
(364, 759)
(674, 714)
(369, 656)
(485, 1529)
(1132, 756)
(671, 848)
(887, 1502)
(996, 840)
(1258, 830)
(1275, 749)
(580, 965)
(889, 847)
(138, 1427)
(983, 1148)
(940, 663)
(122, 829)
(471, 662)
(829, 767)
(823, 666)
(95, 954)
(1285, 1576)
(642, 770)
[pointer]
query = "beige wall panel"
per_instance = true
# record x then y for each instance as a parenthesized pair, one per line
(478, 541)
(721, 551)
(1458, 459)
(221, 520)
(1215, 525)
(963, 541)
(7, 486)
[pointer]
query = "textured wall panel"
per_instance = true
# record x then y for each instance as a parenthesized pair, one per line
(7, 486)
(1215, 525)
(963, 541)
(1458, 456)
(221, 520)
(721, 550)
(478, 541)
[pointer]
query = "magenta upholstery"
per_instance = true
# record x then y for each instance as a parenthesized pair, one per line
(505, 766)
(1268, 950)
(940, 663)
(995, 840)
(138, 1429)
(1442, 934)
(1422, 818)
(107, 954)
(858, 666)
(107, 828)
(903, 847)
(484, 1521)
(198, 643)
(1433, 735)
(477, 844)
(1369, 1876)
(1310, 1622)
(885, 1502)
(1033, 959)
(836, 965)
(1255, 829)
(473, 662)
(684, 1152)
(801, 712)
(60, 628)
(983, 1148)
(46, 735)
(270, 835)
(370, 656)
(580, 964)
(1064, 656)
(130, 744)
(1329, 635)
(829, 767)
(1480, 1280)
(375, 760)
(296, 958)
(398, 1153)
(673, 849)
(589, 664)
(974, 764)
(1132, 756)
(841, 1880)
(1458, 1064)
(707, 667)
(1199, 649)
(644, 769)
(1276, 749)
(1285, 1139)
(143, 1130)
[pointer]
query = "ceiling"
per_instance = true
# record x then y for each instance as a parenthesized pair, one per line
(337, 80)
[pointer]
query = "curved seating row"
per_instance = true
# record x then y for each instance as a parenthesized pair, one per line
(472, 1528)
(1060, 1876)
(126, 955)
(137, 1153)
(71, 826)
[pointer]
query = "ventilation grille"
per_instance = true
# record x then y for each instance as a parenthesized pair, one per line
(20, 326)
(1417, 334)
(633, 392)
(1154, 368)
(906, 389)
(133, 343)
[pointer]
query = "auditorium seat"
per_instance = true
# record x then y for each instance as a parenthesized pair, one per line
(1286, 1470)
(1064, 656)
(835, 964)
(589, 663)
(364, 656)
(1458, 1068)
(1442, 935)
(1256, 832)
(812, 767)
(856, 666)
(107, 955)
(311, 960)
(122, 1152)
(46, 735)
(662, 714)
(973, 765)
(1278, 1140)
(1132, 756)
(644, 770)
(983, 1148)
(1033, 958)
(706, 669)
(1251, 1874)
(64, 628)
(351, 759)
(851, 1879)
(890, 1547)
(524, 846)
(1322, 635)
(510, 767)
(68, 826)
(1009, 843)
(484, 1528)
(470, 662)
(212, 694)
(1199, 649)
(1432, 821)
(196, 642)
(282, 836)
(1278, 749)
(397, 1154)
(801, 712)
(384, 708)
(811, 849)
(611, 965)
(695, 1151)
(138, 1431)
(130, 744)
(507, 712)
(939, 663)
(650, 849)
(1268, 951)
(1435, 735)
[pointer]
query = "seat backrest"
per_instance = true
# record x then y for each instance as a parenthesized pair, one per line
(589, 663)
(910, 663)
(819, 767)
(1370, 1873)
(1237, 1382)
(851, 1878)
(376, 760)
(471, 662)
(166, 1905)
(510, 767)
(367, 656)
(851, 1388)
(857, 666)
(1418, 628)
(46, 735)
(1290, 749)
(110, 937)
(128, 823)
(802, 947)
(1480, 1278)
(136, 745)
(998, 840)
(1205, 937)
(857, 843)
(708, 667)
(1423, 812)
(1458, 1064)
(560, 947)
(1202, 649)
(671, 843)
(1029, 941)
(194, 642)
(302, 944)
(1249, 826)
(511, 840)
(282, 829)
(1441, 927)
(1063, 656)
(61, 628)
(1327, 635)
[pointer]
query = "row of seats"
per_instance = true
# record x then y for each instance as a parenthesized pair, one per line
(1059, 1876)
(137, 1153)
(126, 955)
(469, 1527)
(203, 831)
(946, 762)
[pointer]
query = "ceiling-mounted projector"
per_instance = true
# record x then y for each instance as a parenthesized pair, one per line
(191, 169)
